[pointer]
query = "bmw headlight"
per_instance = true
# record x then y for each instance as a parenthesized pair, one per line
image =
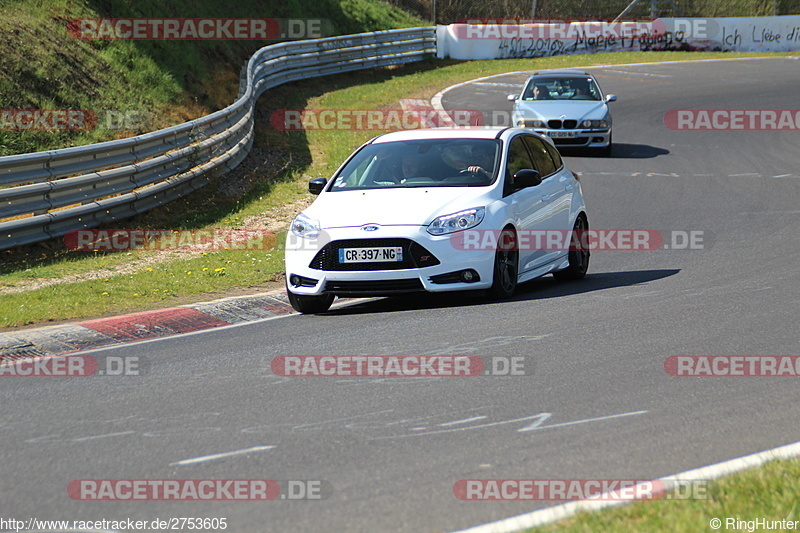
(469, 218)
(530, 123)
(594, 124)
(304, 227)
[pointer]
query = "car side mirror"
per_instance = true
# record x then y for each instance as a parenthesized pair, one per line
(512, 97)
(527, 178)
(317, 185)
(611, 98)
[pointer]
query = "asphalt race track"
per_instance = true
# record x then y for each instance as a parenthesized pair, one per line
(598, 405)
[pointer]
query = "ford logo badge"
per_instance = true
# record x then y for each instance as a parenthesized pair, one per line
(370, 227)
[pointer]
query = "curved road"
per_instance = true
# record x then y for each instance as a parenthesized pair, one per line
(598, 405)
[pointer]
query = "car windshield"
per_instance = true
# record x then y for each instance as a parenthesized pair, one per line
(562, 88)
(421, 163)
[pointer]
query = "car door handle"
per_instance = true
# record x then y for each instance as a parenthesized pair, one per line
(547, 197)
(568, 187)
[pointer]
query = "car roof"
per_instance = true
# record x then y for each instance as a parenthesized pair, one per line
(440, 133)
(561, 73)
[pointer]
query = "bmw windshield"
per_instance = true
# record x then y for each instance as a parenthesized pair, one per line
(566, 88)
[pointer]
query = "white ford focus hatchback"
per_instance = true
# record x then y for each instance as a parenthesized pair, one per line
(438, 210)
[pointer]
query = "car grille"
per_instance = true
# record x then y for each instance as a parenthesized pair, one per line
(414, 255)
(568, 124)
(374, 288)
(574, 141)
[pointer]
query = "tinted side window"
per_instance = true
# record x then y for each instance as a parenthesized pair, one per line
(518, 157)
(541, 157)
(555, 155)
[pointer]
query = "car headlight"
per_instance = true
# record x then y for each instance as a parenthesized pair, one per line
(594, 124)
(304, 227)
(530, 123)
(537, 124)
(469, 218)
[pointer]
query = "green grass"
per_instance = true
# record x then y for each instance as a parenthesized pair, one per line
(147, 288)
(300, 155)
(770, 492)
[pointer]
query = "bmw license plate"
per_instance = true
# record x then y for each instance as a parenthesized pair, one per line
(371, 255)
(561, 134)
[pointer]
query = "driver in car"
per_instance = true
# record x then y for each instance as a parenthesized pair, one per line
(581, 91)
(483, 159)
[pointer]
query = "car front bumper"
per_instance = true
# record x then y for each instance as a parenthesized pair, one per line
(431, 263)
(579, 138)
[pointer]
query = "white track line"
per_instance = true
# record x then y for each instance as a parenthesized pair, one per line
(464, 421)
(107, 435)
(559, 512)
(214, 457)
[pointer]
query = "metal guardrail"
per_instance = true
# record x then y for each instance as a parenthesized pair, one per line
(118, 179)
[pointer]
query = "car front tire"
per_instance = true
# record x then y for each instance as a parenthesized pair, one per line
(310, 304)
(506, 266)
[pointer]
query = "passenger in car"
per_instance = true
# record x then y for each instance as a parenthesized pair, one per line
(409, 166)
(581, 92)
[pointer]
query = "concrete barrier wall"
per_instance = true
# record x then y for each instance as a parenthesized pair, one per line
(503, 41)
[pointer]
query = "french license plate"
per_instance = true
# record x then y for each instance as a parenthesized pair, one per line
(561, 134)
(371, 255)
